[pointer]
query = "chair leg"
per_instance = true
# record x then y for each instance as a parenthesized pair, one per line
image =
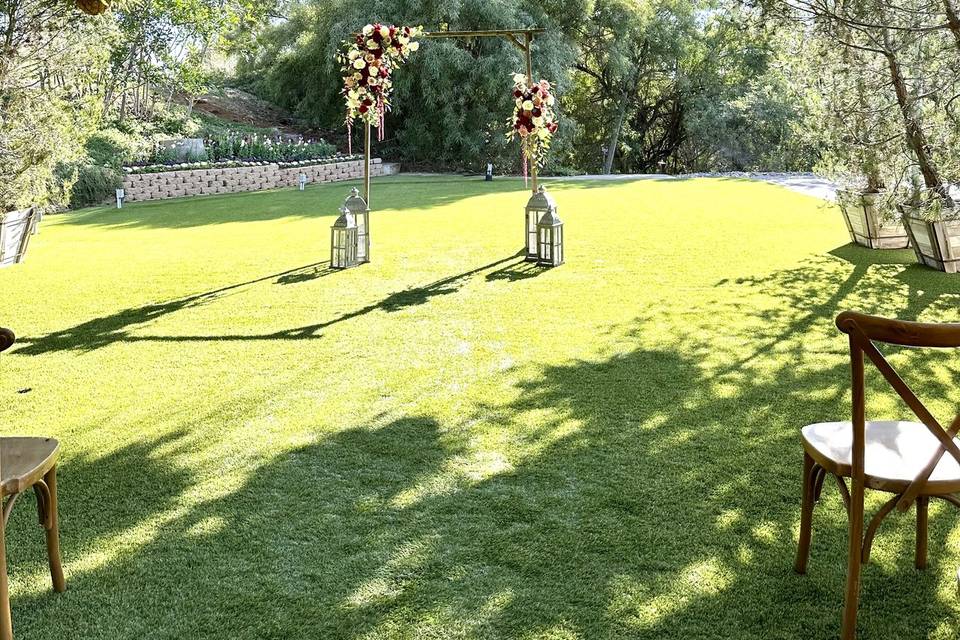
(806, 514)
(6, 623)
(920, 557)
(52, 530)
(852, 596)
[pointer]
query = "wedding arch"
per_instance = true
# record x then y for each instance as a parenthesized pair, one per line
(522, 39)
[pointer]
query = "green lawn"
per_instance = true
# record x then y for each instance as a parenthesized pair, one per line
(447, 442)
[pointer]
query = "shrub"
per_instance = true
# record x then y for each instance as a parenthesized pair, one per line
(114, 148)
(94, 184)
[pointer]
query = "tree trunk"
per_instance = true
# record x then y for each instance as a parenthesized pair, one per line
(953, 20)
(916, 139)
(615, 136)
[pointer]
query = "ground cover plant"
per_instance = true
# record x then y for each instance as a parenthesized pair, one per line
(448, 442)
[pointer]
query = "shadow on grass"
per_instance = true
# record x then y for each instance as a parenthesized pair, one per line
(519, 270)
(101, 332)
(652, 493)
(107, 330)
(317, 201)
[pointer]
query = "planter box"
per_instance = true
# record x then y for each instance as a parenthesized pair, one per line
(16, 227)
(937, 244)
(865, 224)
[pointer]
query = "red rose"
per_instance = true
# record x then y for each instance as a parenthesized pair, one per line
(518, 94)
(363, 108)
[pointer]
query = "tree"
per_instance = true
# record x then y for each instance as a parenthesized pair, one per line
(452, 100)
(912, 43)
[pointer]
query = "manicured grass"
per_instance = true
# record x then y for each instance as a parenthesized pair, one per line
(448, 442)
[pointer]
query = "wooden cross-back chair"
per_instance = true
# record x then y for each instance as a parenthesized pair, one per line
(27, 463)
(907, 459)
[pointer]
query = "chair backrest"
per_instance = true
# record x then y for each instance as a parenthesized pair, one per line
(16, 227)
(863, 331)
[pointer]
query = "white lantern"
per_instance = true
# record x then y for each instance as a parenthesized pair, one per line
(361, 214)
(539, 204)
(343, 241)
(550, 239)
(303, 181)
(121, 194)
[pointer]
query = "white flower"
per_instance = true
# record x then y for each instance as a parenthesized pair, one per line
(519, 78)
(359, 63)
(373, 81)
(384, 31)
(550, 101)
(368, 30)
(404, 40)
(413, 46)
(543, 133)
(528, 105)
(354, 54)
(538, 122)
(372, 44)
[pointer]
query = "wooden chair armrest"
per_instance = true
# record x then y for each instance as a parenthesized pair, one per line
(901, 332)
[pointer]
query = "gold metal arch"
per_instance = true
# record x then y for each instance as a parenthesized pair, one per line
(520, 38)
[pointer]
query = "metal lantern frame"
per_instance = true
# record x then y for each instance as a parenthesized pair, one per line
(361, 215)
(539, 204)
(522, 39)
(343, 241)
(550, 248)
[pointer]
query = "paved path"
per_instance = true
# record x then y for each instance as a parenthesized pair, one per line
(805, 183)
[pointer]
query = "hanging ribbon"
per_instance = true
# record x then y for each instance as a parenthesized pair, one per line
(381, 133)
(523, 154)
(349, 136)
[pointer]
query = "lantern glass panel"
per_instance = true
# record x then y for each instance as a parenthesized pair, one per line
(361, 214)
(532, 218)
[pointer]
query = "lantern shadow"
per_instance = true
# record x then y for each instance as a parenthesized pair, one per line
(307, 274)
(519, 270)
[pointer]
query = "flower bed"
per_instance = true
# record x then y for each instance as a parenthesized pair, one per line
(232, 164)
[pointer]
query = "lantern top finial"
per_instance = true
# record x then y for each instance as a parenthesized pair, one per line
(541, 201)
(345, 221)
(550, 218)
(354, 202)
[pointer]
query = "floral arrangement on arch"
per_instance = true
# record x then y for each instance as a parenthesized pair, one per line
(367, 64)
(534, 120)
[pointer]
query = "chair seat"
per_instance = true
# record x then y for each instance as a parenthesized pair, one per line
(24, 460)
(895, 453)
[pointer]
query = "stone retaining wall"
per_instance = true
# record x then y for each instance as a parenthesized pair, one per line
(193, 182)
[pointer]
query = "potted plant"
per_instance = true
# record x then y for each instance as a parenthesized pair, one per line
(16, 227)
(871, 217)
(859, 149)
(933, 222)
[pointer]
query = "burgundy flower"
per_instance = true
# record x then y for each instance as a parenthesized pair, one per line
(518, 94)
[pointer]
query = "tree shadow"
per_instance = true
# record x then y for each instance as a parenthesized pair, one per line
(101, 332)
(316, 201)
(104, 331)
(271, 559)
(649, 491)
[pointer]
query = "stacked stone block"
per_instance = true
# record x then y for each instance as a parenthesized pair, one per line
(194, 182)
